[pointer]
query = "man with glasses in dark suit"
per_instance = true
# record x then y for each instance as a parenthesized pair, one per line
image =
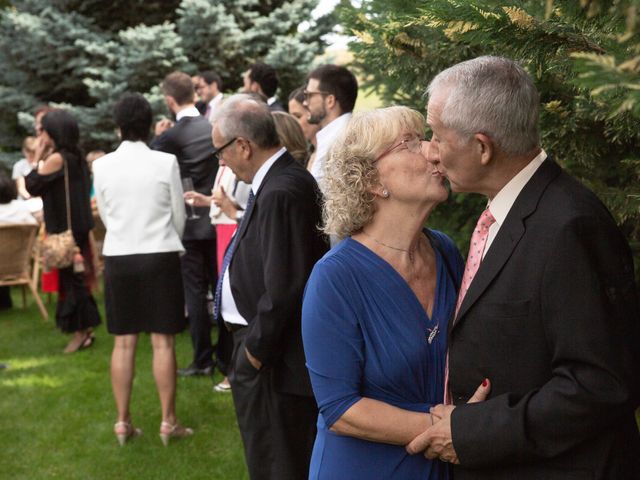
(259, 294)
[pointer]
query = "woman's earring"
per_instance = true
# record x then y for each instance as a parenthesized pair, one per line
(385, 193)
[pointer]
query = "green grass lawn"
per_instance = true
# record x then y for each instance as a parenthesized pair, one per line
(57, 411)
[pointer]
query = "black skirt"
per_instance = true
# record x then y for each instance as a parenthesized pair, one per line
(143, 293)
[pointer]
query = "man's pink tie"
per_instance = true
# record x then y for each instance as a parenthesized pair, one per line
(476, 249)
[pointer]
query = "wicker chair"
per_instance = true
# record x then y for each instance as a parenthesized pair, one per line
(17, 258)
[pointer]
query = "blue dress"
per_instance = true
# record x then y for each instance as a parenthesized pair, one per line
(366, 335)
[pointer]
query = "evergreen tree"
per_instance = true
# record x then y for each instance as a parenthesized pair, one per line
(83, 54)
(583, 57)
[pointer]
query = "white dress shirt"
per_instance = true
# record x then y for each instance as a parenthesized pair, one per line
(187, 112)
(504, 200)
(228, 308)
(213, 105)
(139, 197)
(325, 139)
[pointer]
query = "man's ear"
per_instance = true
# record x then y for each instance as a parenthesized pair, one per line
(331, 101)
(485, 147)
(171, 103)
(245, 146)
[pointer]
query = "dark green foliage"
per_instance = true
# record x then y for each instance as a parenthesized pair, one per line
(116, 15)
(83, 55)
(583, 55)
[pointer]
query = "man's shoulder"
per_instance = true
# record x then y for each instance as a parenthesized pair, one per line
(568, 198)
(289, 175)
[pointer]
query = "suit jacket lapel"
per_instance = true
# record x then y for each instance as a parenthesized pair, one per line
(509, 235)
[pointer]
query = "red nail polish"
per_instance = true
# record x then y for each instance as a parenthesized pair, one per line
(485, 382)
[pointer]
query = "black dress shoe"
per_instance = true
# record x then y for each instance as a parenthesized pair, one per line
(193, 370)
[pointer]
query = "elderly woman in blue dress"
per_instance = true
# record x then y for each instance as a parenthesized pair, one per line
(377, 306)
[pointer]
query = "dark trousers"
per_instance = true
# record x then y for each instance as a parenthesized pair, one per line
(199, 269)
(277, 429)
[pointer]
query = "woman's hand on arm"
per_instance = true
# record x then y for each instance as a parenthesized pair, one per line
(377, 421)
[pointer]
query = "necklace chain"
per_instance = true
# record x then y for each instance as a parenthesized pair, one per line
(410, 252)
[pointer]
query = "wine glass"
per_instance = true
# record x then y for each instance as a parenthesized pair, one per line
(187, 186)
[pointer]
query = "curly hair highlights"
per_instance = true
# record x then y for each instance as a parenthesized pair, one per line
(350, 171)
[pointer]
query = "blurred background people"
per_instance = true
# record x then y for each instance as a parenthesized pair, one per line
(329, 97)
(209, 90)
(200, 105)
(190, 141)
(23, 166)
(76, 311)
(262, 79)
(291, 136)
(298, 110)
(11, 211)
(139, 196)
(228, 201)
(21, 169)
(91, 157)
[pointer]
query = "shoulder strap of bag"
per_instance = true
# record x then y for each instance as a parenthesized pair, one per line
(66, 192)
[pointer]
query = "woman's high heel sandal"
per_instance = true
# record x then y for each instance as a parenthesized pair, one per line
(125, 431)
(168, 431)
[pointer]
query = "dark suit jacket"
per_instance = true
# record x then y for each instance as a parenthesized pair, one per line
(277, 247)
(190, 141)
(551, 318)
(277, 107)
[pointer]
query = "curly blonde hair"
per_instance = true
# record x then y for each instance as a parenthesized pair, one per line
(350, 171)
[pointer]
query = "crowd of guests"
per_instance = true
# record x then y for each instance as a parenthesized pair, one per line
(386, 356)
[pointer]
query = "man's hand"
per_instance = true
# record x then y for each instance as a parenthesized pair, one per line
(436, 441)
(257, 364)
(162, 126)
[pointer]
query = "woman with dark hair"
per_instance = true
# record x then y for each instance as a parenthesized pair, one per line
(76, 311)
(139, 197)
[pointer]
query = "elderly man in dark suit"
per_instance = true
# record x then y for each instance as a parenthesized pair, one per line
(548, 308)
(259, 294)
(190, 141)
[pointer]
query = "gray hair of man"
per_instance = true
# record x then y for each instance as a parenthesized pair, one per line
(490, 95)
(242, 116)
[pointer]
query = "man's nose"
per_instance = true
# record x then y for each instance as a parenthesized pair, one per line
(430, 152)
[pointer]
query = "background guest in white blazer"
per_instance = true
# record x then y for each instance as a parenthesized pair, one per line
(139, 197)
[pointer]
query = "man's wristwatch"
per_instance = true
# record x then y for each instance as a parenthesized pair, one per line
(239, 215)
